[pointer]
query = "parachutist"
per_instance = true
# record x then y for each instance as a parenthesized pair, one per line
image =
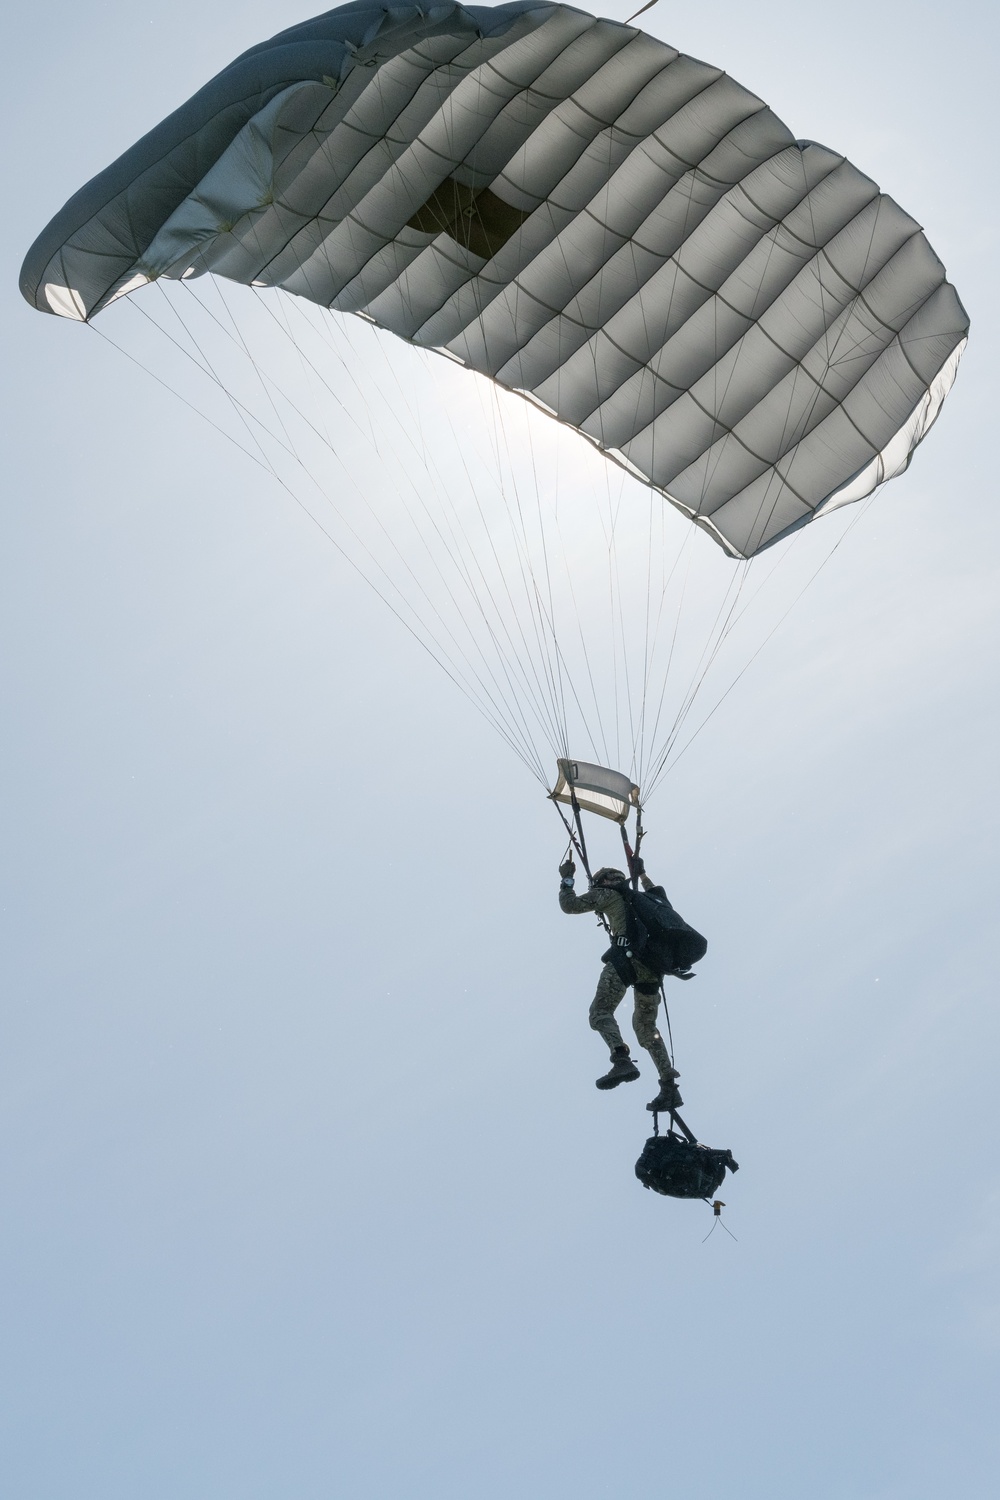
(650, 940)
(638, 959)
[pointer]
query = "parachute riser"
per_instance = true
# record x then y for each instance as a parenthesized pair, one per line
(632, 855)
(579, 842)
(579, 846)
(578, 820)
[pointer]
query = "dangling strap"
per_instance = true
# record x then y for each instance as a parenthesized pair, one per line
(666, 1017)
(675, 1119)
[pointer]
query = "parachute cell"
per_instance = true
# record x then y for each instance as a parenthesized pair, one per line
(615, 231)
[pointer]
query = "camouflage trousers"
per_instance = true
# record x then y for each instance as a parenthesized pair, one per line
(610, 994)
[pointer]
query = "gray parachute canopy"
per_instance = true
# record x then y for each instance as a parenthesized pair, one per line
(618, 232)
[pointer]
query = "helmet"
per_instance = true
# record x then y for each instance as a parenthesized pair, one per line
(608, 875)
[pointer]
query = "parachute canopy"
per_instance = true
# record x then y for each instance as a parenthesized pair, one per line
(595, 789)
(617, 232)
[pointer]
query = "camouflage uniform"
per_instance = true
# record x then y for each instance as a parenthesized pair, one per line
(611, 989)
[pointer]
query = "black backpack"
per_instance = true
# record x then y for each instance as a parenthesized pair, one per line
(658, 936)
(682, 1169)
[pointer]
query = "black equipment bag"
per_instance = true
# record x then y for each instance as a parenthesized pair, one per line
(682, 1169)
(658, 936)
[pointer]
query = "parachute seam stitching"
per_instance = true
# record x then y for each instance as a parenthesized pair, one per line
(636, 298)
(858, 296)
(485, 281)
(353, 214)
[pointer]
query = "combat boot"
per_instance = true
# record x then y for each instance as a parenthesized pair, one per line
(622, 1070)
(669, 1097)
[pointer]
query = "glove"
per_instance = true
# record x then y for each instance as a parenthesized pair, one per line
(638, 866)
(567, 870)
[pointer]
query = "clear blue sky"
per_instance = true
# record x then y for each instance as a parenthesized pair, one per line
(307, 1189)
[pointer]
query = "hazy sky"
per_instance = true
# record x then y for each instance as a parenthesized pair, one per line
(307, 1189)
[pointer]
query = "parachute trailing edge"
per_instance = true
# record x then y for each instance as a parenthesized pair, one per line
(619, 233)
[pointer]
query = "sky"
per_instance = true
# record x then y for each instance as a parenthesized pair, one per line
(307, 1188)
